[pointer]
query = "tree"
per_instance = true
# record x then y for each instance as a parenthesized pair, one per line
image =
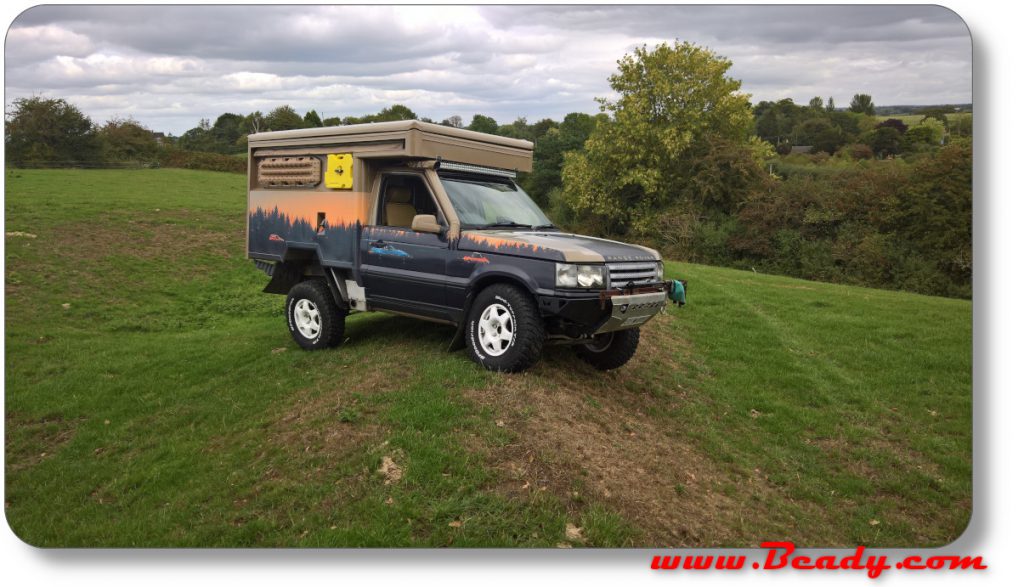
(936, 113)
(453, 121)
(776, 120)
(961, 125)
(935, 212)
(831, 105)
(851, 123)
(885, 141)
(252, 123)
(549, 154)
(283, 118)
(541, 127)
(227, 129)
(676, 109)
(816, 103)
(312, 119)
(199, 138)
(332, 121)
(396, 112)
(893, 123)
(520, 129)
(820, 134)
(43, 130)
(389, 114)
(481, 123)
(124, 139)
(929, 132)
(862, 103)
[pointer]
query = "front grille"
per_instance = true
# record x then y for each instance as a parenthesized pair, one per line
(621, 274)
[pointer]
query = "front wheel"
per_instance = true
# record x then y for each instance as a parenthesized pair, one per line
(504, 332)
(610, 350)
(314, 320)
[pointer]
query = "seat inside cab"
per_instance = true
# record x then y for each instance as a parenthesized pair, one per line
(404, 198)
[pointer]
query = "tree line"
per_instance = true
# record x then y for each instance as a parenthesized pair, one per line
(821, 127)
(680, 159)
(683, 162)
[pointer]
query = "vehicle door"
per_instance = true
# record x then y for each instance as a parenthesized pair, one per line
(404, 270)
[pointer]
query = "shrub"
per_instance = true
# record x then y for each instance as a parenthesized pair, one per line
(859, 152)
(203, 161)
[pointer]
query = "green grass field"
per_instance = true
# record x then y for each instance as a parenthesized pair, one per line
(154, 398)
(914, 119)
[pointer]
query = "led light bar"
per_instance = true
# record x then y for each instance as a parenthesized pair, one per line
(450, 166)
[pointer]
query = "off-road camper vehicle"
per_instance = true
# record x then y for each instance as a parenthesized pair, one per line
(427, 221)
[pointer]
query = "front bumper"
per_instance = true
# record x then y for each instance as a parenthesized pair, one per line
(632, 310)
(589, 313)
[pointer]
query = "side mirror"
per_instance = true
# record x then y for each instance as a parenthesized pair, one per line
(426, 223)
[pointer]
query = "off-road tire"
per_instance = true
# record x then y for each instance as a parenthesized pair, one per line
(328, 316)
(609, 353)
(518, 310)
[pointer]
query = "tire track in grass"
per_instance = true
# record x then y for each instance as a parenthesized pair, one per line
(824, 435)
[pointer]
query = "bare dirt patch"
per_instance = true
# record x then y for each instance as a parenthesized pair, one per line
(390, 470)
(169, 234)
(31, 441)
(584, 435)
(326, 421)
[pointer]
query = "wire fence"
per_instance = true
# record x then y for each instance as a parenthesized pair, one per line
(179, 159)
(84, 165)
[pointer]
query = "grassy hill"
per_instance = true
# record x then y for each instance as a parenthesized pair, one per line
(914, 119)
(154, 397)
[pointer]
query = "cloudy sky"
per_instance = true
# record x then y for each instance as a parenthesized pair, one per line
(169, 66)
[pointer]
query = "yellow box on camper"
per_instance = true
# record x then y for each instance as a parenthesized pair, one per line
(338, 175)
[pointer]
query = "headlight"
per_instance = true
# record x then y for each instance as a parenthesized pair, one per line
(659, 271)
(585, 276)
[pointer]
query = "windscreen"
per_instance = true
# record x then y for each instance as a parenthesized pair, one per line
(491, 203)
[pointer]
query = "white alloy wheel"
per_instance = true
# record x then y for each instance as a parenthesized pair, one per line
(496, 330)
(307, 318)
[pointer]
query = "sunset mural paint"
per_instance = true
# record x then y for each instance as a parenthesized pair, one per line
(508, 245)
(277, 217)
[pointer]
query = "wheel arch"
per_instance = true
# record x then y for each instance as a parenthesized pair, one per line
(517, 278)
(300, 264)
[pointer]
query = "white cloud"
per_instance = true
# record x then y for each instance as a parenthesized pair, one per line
(168, 66)
(36, 43)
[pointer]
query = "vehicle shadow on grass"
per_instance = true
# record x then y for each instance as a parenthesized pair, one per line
(378, 329)
(385, 328)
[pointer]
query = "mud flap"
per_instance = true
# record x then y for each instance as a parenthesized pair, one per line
(459, 340)
(284, 277)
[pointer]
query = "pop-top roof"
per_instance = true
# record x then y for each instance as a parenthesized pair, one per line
(409, 139)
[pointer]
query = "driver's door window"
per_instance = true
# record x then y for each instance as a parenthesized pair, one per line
(404, 197)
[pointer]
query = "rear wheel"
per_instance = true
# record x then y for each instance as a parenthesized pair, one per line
(314, 320)
(610, 350)
(504, 332)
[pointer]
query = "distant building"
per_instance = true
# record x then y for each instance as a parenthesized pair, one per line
(797, 149)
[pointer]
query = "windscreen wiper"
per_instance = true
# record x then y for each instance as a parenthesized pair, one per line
(543, 226)
(505, 224)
